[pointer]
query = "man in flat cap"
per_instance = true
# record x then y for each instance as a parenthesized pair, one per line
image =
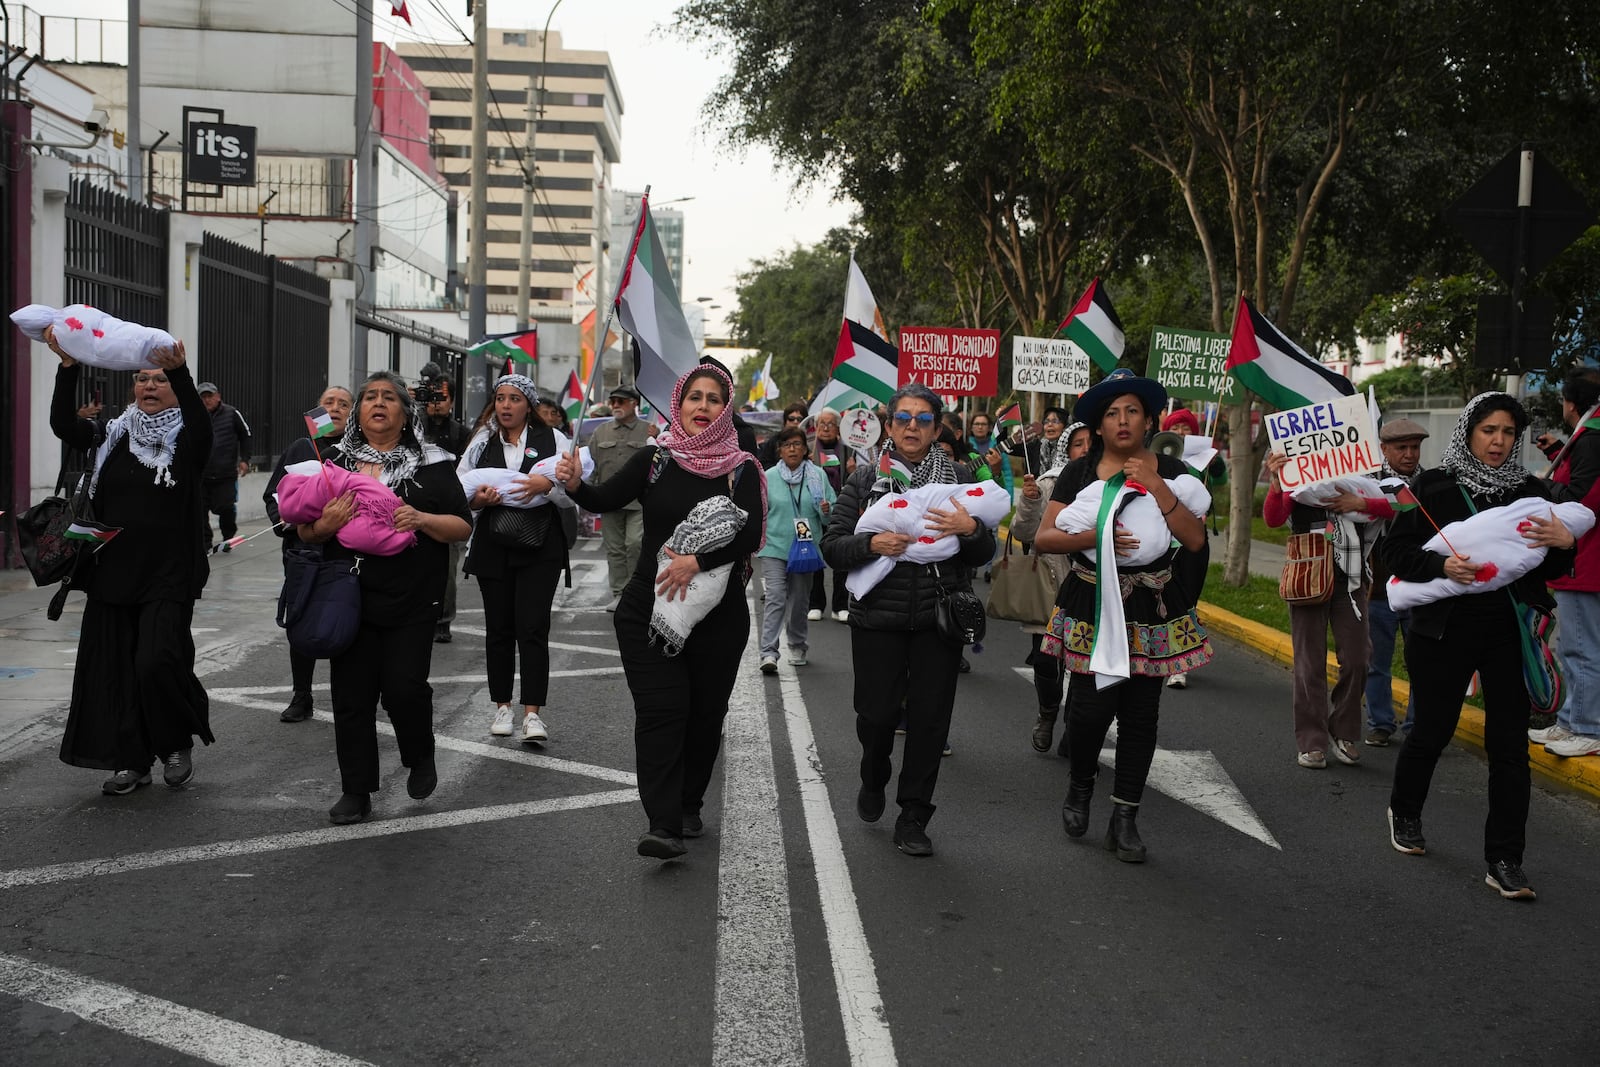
(230, 461)
(612, 445)
(1401, 442)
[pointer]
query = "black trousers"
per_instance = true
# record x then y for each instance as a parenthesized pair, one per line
(301, 667)
(679, 701)
(134, 693)
(1049, 680)
(1136, 706)
(222, 500)
(516, 620)
(388, 664)
(1440, 669)
(919, 668)
(819, 592)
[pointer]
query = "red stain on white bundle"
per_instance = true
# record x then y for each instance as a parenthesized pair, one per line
(74, 324)
(1485, 572)
(899, 502)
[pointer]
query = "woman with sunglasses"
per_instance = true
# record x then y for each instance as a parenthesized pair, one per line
(135, 697)
(902, 664)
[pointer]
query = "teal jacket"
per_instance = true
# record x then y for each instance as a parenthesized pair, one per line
(781, 510)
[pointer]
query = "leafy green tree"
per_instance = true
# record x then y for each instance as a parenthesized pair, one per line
(790, 307)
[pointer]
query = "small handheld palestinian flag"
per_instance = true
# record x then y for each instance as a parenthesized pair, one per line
(1401, 498)
(1011, 416)
(84, 530)
(319, 423)
(825, 460)
(893, 469)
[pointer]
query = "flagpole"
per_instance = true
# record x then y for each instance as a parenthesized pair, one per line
(611, 311)
(1575, 431)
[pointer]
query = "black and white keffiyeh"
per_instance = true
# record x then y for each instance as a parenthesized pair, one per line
(1053, 454)
(398, 465)
(152, 440)
(711, 524)
(1474, 475)
(936, 468)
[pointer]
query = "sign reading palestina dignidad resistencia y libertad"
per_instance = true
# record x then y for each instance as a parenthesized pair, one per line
(221, 154)
(1324, 441)
(951, 362)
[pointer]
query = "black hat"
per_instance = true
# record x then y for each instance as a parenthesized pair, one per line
(1091, 406)
(625, 393)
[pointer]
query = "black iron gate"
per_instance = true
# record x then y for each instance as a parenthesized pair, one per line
(263, 339)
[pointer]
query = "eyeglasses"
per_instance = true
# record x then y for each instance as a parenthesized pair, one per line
(149, 379)
(793, 444)
(903, 418)
(1053, 421)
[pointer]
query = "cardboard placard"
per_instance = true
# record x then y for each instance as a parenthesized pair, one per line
(1324, 441)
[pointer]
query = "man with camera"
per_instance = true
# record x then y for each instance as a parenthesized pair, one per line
(436, 396)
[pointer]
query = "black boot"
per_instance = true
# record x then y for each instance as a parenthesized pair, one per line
(1122, 836)
(299, 709)
(1044, 730)
(1075, 809)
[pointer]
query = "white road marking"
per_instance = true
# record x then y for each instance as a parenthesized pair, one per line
(1196, 778)
(68, 872)
(757, 1018)
(228, 693)
(866, 1028)
(563, 646)
(184, 1030)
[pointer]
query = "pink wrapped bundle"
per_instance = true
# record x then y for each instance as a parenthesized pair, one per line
(307, 487)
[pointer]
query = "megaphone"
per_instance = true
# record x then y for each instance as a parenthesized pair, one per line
(1167, 443)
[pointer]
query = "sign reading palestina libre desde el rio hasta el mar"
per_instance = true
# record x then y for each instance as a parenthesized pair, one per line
(1324, 441)
(1191, 364)
(1048, 365)
(951, 362)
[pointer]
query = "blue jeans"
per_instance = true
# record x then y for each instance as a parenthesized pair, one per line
(1382, 621)
(1578, 615)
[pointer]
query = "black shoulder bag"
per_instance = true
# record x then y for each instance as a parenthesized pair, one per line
(958, 613)
(520, 529)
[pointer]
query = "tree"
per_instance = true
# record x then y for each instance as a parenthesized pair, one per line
(790, 307)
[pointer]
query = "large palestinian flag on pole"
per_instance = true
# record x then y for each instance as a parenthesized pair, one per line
(519, 347)
(861, 308)
(1094, 327)
(648, 308)
(865, 365)
(1275, 368)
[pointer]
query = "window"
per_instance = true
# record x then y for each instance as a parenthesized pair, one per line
(517, 40)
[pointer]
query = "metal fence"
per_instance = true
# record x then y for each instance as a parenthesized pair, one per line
(264, 339)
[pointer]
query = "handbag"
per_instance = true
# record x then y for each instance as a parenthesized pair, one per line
(958, 614)
(320, 606)
(41, 532)
(1307, 577)
(516, 528)
(1024, 590)
(803, 555)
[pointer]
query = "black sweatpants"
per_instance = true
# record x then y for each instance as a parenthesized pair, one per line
(516, 620)
(1440, 669)
(679, 701)
(222, 500)
(819, 591)
(921, 668)
(388, 664)
(1136, 707)
(1048, 676)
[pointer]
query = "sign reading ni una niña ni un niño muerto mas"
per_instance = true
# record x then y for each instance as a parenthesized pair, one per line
(1048, 365)
(1191, 364)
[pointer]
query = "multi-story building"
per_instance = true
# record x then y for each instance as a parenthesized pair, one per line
(669, 226)
(578, 138)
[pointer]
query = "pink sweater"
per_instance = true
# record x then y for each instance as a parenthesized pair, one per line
(304, 492)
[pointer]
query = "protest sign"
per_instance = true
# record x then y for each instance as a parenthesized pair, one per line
(860, 429)
(1048, 365)
(1191, 364)
(951, 362)
(1327, 440)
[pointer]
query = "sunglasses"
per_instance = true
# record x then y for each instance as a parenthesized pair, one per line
(792, 418)
(904, 418)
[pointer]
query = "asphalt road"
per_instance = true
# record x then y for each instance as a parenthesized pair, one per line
(508, 920)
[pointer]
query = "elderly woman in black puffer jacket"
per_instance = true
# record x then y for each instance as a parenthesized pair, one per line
(899, 656)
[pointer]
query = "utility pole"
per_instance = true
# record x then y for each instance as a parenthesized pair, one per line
(525, 247)
(478, 208)
(134, 156)
(366, 192)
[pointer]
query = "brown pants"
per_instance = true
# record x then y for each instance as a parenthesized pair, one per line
(1315, 721)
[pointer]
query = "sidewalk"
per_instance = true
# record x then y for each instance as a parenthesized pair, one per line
(1266, 560)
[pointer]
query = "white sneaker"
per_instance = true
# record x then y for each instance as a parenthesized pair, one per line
(814, 615)
(841, 616)
(1178, 681)
(1576, 745)
(769, 665)
(1313, 760)
(533, 728)
(501, 727)
(1549, 735)
(1345, 752)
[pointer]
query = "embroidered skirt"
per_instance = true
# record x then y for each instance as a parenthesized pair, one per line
(1157, 647)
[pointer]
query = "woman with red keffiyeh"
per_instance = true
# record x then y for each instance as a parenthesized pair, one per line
(682, 621)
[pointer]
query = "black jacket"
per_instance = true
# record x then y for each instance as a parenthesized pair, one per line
(905, 599)
(230, 443)
(447, 432)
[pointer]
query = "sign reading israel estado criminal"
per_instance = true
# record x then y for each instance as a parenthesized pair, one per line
(1324, 441)
(1190, 363)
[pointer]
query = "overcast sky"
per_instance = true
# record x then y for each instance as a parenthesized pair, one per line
(744, 208)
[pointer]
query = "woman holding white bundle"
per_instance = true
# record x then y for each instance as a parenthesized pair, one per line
(517, 553)
(1147, 628)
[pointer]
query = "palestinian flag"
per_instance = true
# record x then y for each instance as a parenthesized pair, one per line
(825, 460)
(83, 530)
(865, 363)
(1275, 368)
(893, 468)
(517, 347)
(398, 9)
(1011, 416)
(319, 423)
(649, 309)
(1094, 327)
(1400, 496)
(572, 399)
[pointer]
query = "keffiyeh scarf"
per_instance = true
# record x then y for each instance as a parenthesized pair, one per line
(936, 468)
(1474, 475)
(711, 524)
(152, 440)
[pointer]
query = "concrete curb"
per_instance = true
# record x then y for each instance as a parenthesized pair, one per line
(1581, 774)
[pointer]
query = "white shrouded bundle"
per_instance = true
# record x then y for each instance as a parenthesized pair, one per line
(509, 482)
(1493, 540)
(1324, 493)
(1139, 514)
(907, 513)
(94, 338)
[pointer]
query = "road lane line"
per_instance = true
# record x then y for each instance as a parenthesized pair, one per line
(866, 1028)
(160, 1022)
(167, 857)
(757, 1017)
